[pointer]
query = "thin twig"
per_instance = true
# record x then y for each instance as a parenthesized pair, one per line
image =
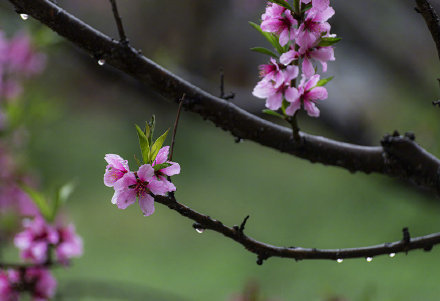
(176, 122)
(265, 251)
(122, 36)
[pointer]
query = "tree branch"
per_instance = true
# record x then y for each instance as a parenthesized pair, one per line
(400, 156)
(265, 251)
(431, 18)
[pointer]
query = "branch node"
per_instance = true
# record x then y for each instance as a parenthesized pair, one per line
(230, 95)
(410, 135)
(261, 258)
(243, 224)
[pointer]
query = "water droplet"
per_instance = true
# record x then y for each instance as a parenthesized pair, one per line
(24, 16)
(101, 62)
(392, 255)
(200, 230)
(369, 259)
(340, 260)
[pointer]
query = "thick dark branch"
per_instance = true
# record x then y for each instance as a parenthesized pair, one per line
(264, 251)
(431, 19)
(401, 157)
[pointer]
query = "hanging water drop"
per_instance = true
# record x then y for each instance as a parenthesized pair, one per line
(369, 259)
(392, 255)
(340, 260)
(199, 228)
(101, 62)
(24, 16)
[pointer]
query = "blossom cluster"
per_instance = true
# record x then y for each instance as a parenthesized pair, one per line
(302, 38)
(149, 180)
(17, 60)
(38, 280)
(38, 237)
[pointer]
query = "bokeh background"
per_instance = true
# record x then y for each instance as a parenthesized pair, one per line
(77, 111)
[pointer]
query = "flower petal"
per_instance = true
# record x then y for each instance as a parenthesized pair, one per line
(318, 93)
(311, 108)
(145, 172)
(162, 155)
(172, 170)
(146, 203)
(157, 187)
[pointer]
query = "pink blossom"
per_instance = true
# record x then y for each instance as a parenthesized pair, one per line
(272, 72)
(279, 20)
(35, 239)
(314, 25)
(7, 291)
(69, 244)
(22, 57)
(274, 95)
(141, 185)
(115, 170)
(307, 93)
(321, 54)
(42, 282)
(174, 169)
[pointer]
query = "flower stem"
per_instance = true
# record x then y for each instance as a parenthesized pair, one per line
(294, 123)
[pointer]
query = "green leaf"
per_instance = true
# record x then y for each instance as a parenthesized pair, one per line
(324, 81)
(161, 166)
(271, 38)
(328, 41)
(157, 146)
(273, 113)
(39, 200)
(149, 129)
(143, 143)
(61, 196)
(283, 4)
(306, 7)
(264, 51)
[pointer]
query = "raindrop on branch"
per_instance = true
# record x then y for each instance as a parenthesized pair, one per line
(340, 260)
(24, 16)
(392, 255)
(369, 259)
(199, 228)
(101, 62)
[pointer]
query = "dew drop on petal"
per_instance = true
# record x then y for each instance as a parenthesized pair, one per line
(369, 259)
(340, 260)
(392, 255)
(24, 16)
(101, 62)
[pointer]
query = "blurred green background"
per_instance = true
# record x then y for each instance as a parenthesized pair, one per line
(77, 111)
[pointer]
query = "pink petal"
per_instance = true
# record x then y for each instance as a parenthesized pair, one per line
(274, 102)
(127, 180)
(147, 204)
(170, 186)
(157, 187)
(321, 4)
(172, 170)
(145, 172)
(307, 68)
(323, 54)
(290, 73)
(263, 89)
(293, 107)
(116, 161)
(312, 82)
(292, 95)
(284, 37)
(162, 155)
(288, 57)
(318, 93)
(324, 15)
(311, 109)
(124, 198)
